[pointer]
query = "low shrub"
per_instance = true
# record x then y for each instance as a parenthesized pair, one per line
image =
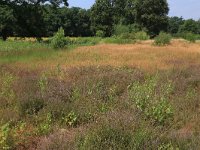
(121, 29)
(127, 36)
(85, 41)
(153, 104)
(163, 39)
(71, 119)
(161, 111)
(189, 37)
(100, 33)
(59, 40)
(141, 35)
(116, 40)
(31, 107)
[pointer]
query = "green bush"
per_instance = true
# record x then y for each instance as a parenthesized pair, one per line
(100, 33)
(141, 35)
(71, 119)
(31, 107)
(160, 111)
(85, 41)
(117, 40)
(163, 39)
(121, 29)
(127, 36)
(153, 104)
(59, 40)
(189, 37)
(135, 28)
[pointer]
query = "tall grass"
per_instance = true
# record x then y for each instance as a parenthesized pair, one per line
(11, 51)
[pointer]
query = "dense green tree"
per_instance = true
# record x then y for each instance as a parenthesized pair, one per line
(124, 11)
(102, 17)
(190, 25)
(174, 24)
(152, 14)
(75, 21)
(7, 21)
(30, 21)
(34, 2)
(52, 19)
(28, 15)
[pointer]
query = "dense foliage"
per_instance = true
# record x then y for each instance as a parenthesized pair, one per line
(42, 18)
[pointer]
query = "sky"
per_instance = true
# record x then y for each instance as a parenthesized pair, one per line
(185, 8)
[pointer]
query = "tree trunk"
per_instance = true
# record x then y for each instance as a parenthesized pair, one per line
(4, 35)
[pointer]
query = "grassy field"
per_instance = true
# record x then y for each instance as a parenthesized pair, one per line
(95, 95)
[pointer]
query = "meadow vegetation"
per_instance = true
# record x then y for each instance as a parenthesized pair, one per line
(113, 77)
(95, 95)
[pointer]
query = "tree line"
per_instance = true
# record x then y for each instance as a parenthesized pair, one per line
(42, 18)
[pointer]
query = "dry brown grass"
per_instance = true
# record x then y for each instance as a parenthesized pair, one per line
(142, 55)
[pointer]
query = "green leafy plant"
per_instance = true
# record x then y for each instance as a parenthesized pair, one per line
(151, 101)
(71, 119)
(100, 33)
(59, 40)
(163, 39)
(45, 127)
(160, 112)
(167, 146)
(43, 83)
(6, 140)
(142, 94)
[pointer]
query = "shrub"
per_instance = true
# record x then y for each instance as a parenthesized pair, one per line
(161, 111)
(85, 40)
(189, 37)
(141, 35)
(153, 104)
(31, 107)
(100, 33)
(127, 36)
(121, 29)
(59, 40)
(118, 40)
(163, 39)
(71, 119)
(135, 28)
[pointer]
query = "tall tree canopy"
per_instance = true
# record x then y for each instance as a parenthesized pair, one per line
(102, 16)
(7, 20)
(28, 16)
(39, 18)
(35, 2)
(175, 24)
(152, 14)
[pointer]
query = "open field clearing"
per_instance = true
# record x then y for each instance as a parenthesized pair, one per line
(103, 96)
